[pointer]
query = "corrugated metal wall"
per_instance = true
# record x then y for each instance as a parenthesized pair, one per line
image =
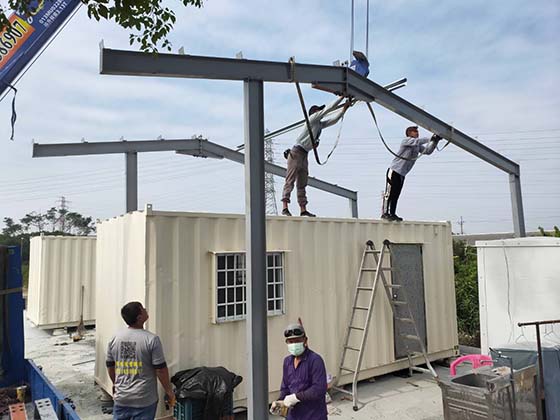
(121, 277)
(58, 268)
(322, 259)
(517, 282)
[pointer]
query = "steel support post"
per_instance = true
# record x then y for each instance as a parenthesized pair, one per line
(131, 181)
(517, 206)
(354, 206)
(255, 234)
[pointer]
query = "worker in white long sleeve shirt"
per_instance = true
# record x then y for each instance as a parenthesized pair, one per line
(411, 148)
(297, 171)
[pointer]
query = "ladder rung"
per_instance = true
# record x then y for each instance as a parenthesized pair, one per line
(410, 337)
(419, 369)
(400, 302)
(373, 251)
(351, 348)
(369, 269)
(347, 370)
(393, 286)
(356, 328)
(343, 390)
(362, 308)
(405, 320)
(365, 288)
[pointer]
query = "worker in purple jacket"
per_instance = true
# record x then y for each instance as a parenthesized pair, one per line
(304, 381)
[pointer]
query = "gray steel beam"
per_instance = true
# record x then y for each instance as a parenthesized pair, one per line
(108, 147)
(354, 207)
(373, 92)
(215, 150)
(131, 159)
(255, 238)
(134, 63)
(517, 206)
(194, 147)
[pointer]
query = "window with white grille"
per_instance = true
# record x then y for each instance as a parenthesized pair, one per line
(231, 294)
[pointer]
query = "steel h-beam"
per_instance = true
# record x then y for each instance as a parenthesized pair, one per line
(131, 181)
(193, 147)
(516, 204)
(339, 79)
(255, 234)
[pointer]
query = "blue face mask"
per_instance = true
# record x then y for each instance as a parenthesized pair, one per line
(296, 349)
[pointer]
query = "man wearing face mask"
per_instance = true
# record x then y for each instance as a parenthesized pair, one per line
(304, 380)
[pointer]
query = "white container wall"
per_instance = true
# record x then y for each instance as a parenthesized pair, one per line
(518, 281)
(58, 268)
(174, 263)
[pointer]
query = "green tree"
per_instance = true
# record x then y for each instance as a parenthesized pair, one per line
(149, 21)
(11, 229)
(466, 293)
(555, 233)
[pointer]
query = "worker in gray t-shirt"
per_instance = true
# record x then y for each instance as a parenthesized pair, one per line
(411, 148)
(134, 360)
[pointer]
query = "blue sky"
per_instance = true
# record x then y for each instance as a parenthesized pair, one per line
(489, 68)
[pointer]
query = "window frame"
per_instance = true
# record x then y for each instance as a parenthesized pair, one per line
(230, 277)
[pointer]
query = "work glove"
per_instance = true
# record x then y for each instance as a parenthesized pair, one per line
(286, 153)
(273, 407)
(290, 400)
(435, 137)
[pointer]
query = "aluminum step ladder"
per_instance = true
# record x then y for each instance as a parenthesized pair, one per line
(397, 297)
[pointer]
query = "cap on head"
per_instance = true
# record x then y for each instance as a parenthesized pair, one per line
(294, 331)
(411, 128)
(316, 108)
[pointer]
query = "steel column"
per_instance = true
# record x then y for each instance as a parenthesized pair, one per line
(354, 206)
(517, 206)
(131, 181)
(255, 234)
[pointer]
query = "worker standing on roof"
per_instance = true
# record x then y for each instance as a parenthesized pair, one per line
(297, 172)
(134, 360)
(412, 147)
(304, 379)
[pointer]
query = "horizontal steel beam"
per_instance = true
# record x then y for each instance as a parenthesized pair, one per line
(108, 147)
(193, 147)
(134, 63)
(215, 150)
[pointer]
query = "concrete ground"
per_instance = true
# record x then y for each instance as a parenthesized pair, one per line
(70, 366)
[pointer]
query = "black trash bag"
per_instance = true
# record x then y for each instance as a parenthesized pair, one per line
(213, 385)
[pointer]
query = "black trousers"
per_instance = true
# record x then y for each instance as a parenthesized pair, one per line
(393, 190)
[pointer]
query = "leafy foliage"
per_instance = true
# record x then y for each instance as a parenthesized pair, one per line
(555, 233)
(466, 291)
(149, 20)
(56, 221)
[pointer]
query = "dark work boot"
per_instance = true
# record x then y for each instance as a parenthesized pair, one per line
(307, 214)
(286, 212)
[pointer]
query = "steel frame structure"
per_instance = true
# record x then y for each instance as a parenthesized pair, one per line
(253, 74)
(194, 147)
